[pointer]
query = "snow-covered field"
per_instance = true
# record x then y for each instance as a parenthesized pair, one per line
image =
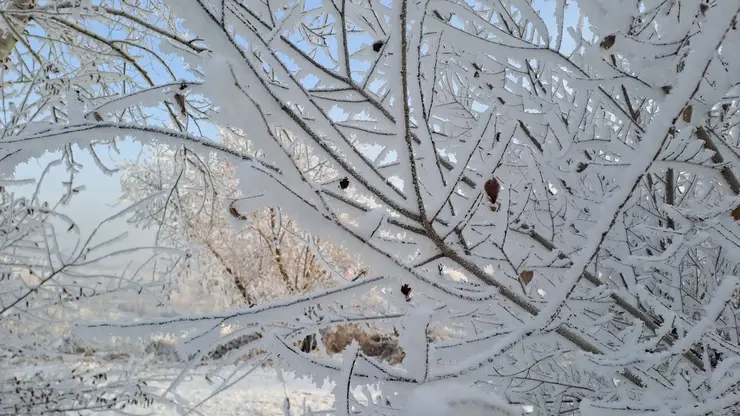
(261, 392)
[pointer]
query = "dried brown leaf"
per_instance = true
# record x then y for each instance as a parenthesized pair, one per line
(666, 88)
(492, 188)
(735, 214)
(236, 214)
(608, 42)
(526, 276)
(181, 102)
(687, 112)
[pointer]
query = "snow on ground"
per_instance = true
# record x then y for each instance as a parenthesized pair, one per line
(260, 393)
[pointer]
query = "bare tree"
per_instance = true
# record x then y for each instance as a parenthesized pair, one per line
(579, 170)
(240, 259)
(54, 272)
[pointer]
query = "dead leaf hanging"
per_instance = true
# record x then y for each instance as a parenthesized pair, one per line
(181, 102)
(608, 42)
(492, 188)
(735, 214)
(236, 214)
(526, 276)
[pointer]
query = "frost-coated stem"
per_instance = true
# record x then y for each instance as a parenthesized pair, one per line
(656, 135)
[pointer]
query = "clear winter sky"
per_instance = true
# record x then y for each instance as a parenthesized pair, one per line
(100, 199)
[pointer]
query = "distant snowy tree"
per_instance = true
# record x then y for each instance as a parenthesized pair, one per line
(53, 272)
(240, 259)
(576, 161)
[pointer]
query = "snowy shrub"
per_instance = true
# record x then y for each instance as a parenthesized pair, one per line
(71, 345)
(375, 344)
(236, 344)
(163, 349)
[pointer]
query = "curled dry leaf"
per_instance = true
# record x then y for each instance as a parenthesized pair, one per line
(526, 276)
(608, 42)
(492, 188)
(181, 102)
(581, 167)
(666, 89)
(236, 214)
(687, 112)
